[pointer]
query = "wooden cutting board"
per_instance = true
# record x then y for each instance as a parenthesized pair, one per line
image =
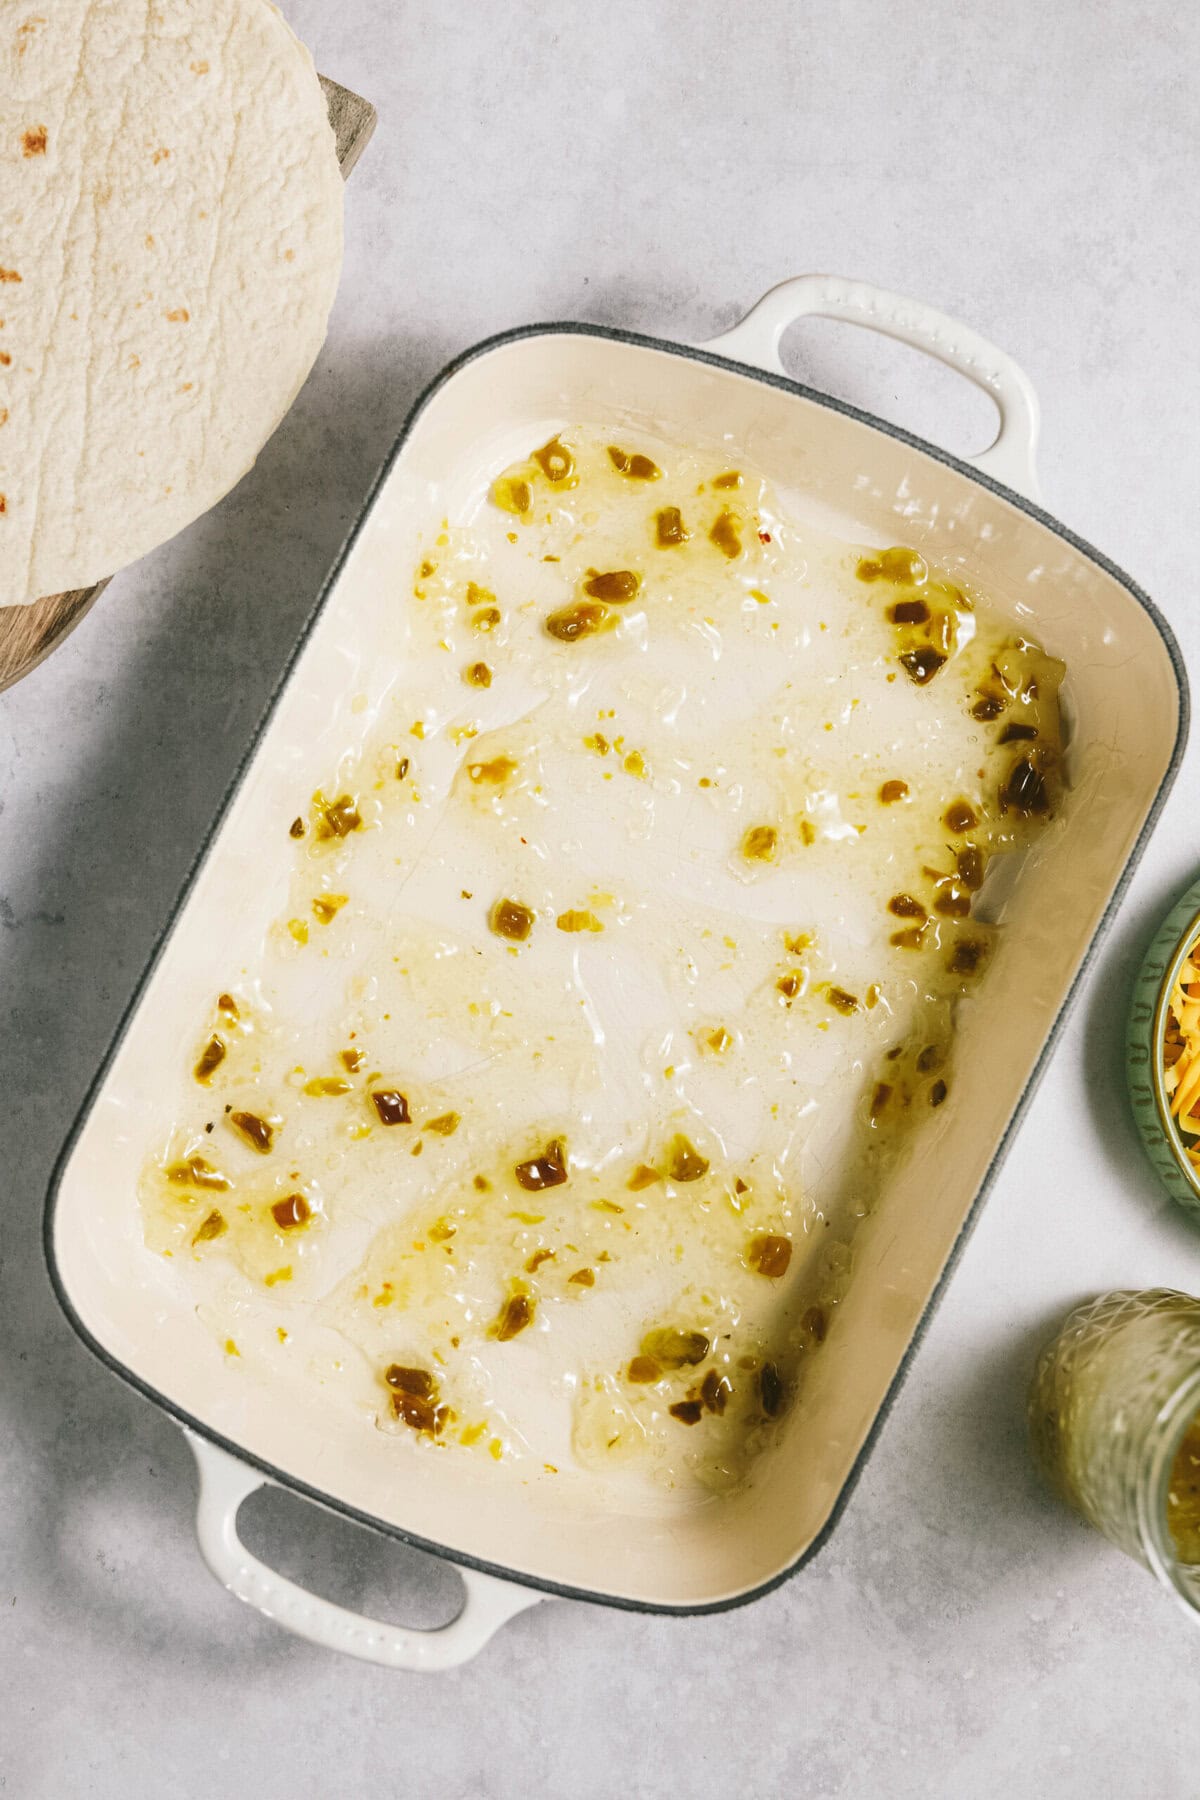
(29, 633)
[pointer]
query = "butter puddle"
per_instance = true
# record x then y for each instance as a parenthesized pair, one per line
(658, 876)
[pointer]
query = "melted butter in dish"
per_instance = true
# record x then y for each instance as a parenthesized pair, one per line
(618, 968)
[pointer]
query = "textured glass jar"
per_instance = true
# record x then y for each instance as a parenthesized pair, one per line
(1112, 1399)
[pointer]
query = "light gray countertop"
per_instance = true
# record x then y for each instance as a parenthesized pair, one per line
(1029, 168)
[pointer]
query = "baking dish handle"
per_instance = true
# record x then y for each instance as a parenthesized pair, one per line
(1010, 459)
(225, 1482)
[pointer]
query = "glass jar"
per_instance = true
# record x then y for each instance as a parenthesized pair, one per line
(1114, 1416)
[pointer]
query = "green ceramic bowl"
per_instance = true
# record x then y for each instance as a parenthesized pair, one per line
(1144, 1050)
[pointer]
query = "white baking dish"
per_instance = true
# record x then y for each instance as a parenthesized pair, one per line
(517, 1536)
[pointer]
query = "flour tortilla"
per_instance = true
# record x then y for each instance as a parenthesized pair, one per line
(170, 244)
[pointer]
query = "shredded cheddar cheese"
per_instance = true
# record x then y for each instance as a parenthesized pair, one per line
(1181, 1051)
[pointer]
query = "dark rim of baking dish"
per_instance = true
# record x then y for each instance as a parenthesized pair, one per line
(784, 383)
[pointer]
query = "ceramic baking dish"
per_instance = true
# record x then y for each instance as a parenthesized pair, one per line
(517, 1538)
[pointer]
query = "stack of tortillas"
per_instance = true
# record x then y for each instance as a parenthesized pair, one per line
(170, 245)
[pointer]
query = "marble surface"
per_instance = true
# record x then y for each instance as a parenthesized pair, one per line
(1029, 168)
